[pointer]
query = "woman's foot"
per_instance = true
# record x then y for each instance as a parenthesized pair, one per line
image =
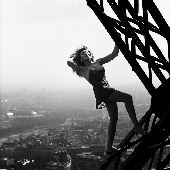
(112, 150)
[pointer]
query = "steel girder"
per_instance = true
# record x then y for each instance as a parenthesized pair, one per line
(148, 146)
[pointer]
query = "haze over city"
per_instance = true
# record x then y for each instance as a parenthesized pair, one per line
(38, 36)
(48, 115)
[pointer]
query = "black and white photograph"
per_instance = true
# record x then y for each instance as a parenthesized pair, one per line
(84, 84)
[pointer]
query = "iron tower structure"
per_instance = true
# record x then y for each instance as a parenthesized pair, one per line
(133, 26)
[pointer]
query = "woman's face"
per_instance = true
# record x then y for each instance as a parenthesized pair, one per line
(85, 55)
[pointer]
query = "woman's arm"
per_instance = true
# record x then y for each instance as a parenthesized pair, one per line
(75, 67)
(109, 57)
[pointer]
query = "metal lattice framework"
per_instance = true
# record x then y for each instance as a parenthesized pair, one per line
(152, 147)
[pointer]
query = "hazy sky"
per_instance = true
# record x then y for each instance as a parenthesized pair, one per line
(38, 36)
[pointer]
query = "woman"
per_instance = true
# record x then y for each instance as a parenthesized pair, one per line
(84, 65)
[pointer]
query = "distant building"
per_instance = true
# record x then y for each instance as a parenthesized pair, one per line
(33, 153)
(22, 113)
(7, 152)
(62, 162)
(75, 142)
(5, 162)
(13, 110)
(45, 140)
(88, 161)
(72, 124)
(5, 122)
(78, 132)
(95, 149)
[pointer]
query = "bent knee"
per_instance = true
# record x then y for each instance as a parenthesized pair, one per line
(128, 98)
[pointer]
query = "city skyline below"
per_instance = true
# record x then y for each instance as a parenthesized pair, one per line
(67, 101)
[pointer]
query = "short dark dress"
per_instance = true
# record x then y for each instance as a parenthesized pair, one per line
(101, 87)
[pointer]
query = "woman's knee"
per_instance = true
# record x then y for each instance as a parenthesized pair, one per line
(118, 96)
(128, 98)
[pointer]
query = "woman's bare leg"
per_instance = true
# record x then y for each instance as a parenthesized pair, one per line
(113, 114)
(131, 111)
(118, 96)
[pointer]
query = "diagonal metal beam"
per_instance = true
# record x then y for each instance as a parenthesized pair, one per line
(160, 106)
(139, 156)
(165, 162)
(159, 74)
(113, 33)
(157, 16)
(159, 19)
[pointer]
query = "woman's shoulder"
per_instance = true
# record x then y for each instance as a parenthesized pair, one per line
(99, 60)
